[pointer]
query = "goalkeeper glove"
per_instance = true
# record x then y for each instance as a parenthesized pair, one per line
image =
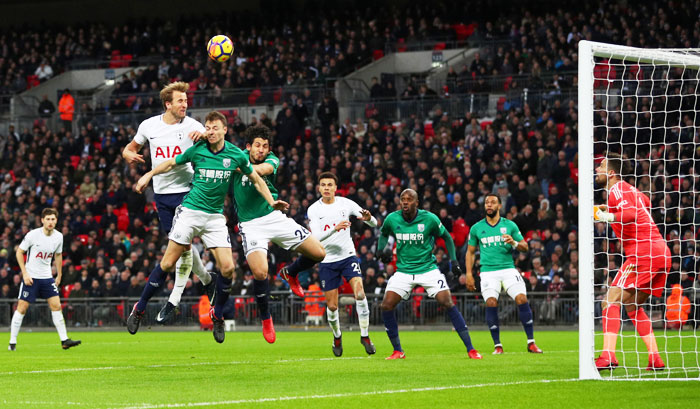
(602, 216)
(385, 256)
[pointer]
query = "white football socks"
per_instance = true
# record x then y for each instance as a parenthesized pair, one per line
(60, 323)
(15, 326)
(363, 316)
(333, 321)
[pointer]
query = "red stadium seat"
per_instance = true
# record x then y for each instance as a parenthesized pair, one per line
(377, 54)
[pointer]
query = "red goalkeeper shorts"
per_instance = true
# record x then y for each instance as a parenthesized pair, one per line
(648, 275)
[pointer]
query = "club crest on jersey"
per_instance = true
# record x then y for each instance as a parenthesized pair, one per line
(504, 230)
(421, 227)
(227, 163)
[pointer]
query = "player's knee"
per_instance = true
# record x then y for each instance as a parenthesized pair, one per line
(387, 306)
(167, 266)
(360, 295)
(492, 302)
(22, 308)
(520, 299)
(259, 275)
(227, 273)
(332, 307)
(319, 254)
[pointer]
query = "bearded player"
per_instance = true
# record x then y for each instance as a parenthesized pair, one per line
(647, 261)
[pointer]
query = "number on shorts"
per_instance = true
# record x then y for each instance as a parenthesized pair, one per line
(441, 284)
(54, 287)
(356, 268)
(301, 233)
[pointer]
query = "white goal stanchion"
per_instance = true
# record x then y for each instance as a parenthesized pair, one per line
(645, 105)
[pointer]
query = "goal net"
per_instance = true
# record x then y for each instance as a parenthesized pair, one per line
(641, 103)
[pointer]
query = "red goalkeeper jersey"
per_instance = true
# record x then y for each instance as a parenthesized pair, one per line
(634, 225)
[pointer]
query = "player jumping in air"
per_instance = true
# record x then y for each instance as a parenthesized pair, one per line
(40, 245)
(328, 219)
(261, 224)
(201, 212)
(496, 238)
(415, 232)
(647, 261)
(168, 135)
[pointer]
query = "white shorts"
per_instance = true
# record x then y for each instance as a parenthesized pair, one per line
(274, 227)
(509, 278)
(402, 283)
(211, 228)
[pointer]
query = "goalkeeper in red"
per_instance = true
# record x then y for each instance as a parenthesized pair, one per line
(647, 261)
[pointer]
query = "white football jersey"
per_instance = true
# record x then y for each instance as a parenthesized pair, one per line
(324, 217)
(166, 142)
(40, 249)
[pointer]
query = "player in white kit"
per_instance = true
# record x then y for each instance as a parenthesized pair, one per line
(168, 135)
(329, 222)
(40, 246)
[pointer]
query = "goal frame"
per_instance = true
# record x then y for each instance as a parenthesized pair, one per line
(587, 51)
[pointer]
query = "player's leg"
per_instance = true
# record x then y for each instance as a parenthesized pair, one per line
(515, 287)
(333, 318)
(435, 285)
(257, 261)
(17, 318)
(389, 303)
(353, 274)
(189, 261)
(330, 276)
(155, 282)
(224, 262)
(311, 251)
(490, 291)
(633, 300)
(611, 327)
(60, 324)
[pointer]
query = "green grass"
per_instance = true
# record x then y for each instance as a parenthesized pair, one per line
(177, 369)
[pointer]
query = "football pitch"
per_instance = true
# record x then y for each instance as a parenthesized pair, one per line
(189, 369)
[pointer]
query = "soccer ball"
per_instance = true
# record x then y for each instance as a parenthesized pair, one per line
(220, 48)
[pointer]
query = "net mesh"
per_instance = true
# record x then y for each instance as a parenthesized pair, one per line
(645, 108)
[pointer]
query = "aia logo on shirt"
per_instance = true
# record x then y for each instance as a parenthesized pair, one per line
(168, 152)
(44, 256)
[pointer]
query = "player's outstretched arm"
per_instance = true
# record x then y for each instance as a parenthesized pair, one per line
(367, 217)
(264, 169)
(166, 166)
(262, 188)
(469, 263)
(131, 153)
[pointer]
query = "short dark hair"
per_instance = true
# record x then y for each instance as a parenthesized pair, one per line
(257, 131)
(617, 163)
(494, 195)
(216, 116)
(328, 175)
(49, 211)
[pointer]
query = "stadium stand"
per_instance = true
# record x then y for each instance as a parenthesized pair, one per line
(526, 152)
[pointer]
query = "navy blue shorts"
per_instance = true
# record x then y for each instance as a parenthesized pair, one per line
(41, 287)
(166, 205)
(331, 274)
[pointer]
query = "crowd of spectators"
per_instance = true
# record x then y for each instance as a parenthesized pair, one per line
(526, 154)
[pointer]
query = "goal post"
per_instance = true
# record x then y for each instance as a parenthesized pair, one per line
(609, 77)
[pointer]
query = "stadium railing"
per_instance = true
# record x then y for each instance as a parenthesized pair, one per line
(418, 310)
